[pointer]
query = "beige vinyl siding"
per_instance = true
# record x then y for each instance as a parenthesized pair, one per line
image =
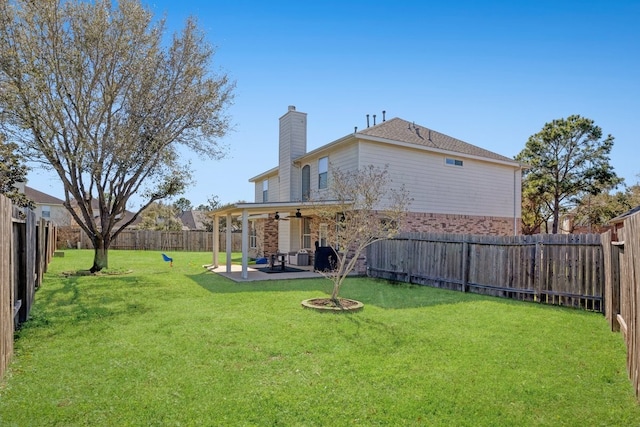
(273, 192)
(274, 185)
(294, 235)
(284, 237)
(257, 185)
(343, 158)
(476, 188)
(295, 192)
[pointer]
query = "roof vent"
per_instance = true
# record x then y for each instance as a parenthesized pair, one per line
(367, 120)
(383, 114)
(374, 119)
(292, 108)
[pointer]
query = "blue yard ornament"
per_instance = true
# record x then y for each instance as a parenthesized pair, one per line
(168, 259)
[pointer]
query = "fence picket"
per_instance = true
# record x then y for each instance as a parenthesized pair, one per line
(547, 268)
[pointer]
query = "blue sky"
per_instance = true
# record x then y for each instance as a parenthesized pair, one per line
(490, 73)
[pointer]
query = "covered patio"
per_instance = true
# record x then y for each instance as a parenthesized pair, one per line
(247, 211)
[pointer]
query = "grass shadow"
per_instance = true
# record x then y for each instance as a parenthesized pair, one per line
(377, 292)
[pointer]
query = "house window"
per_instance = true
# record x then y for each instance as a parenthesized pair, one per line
(453, 162)
(306, 233)
(306, 183)
(46, 212)
(253, 235)
(265, 191)
(323, 233)
(323, 170)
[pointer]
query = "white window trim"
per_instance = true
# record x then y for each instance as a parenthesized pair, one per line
(453, 162)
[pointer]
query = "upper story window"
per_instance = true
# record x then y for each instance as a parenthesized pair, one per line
(453, 162)
(306, 182)
(265, 191)
(46, 212)
(323, 170)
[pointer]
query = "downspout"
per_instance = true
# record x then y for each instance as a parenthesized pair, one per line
(515, 203)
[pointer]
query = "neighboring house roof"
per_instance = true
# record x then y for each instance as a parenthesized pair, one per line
(194, 220)
(41, 198)
(620, 218)
(126, 217)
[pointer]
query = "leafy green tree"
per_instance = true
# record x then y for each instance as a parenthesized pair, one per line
(12, 171)
(182, 205)
(213, 203)
(159, 216)
(569, 158)
(93, 91)
(595, 212)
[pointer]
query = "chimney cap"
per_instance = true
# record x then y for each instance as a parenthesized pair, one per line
(292, 108)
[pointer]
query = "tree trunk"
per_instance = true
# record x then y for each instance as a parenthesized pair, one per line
(556, 216)
(336, 290)
(100, 258)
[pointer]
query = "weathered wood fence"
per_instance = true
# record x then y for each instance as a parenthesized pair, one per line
(26, 248)
(622, 290)
(192, 240)
(553, 269)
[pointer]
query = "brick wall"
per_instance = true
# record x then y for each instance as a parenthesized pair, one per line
(450, 223)
(267, 230)
(270, 237)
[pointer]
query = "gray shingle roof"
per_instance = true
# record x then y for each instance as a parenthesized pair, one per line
(41, 198)
(194, 220)
(397, 129)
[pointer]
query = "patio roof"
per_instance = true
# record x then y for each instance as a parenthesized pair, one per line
(245, 210)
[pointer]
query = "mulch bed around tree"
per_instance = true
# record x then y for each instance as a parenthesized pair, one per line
(326, 304)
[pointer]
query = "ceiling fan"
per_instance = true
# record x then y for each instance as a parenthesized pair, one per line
(278, 218)
(299, 214)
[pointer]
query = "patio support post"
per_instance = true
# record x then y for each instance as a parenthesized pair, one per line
(245, 244)
(216, 241)
(228, 243)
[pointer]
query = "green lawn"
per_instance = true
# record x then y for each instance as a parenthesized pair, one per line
(183, 347)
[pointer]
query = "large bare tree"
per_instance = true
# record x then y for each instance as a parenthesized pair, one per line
(97, 92)
(359, 208)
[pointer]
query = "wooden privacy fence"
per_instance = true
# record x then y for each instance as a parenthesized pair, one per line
(553, 269)
(192, 240)
(26, 248)
(622, 290)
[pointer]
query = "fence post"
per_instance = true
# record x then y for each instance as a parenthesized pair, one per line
(465, 264)
(537, 271)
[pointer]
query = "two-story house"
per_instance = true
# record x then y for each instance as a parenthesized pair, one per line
(456, 187)
(47, 206)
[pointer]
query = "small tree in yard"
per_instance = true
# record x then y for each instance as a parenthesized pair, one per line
(92, 91)
(360, 207)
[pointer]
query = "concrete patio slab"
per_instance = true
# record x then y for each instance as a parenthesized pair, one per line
(256, 275)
